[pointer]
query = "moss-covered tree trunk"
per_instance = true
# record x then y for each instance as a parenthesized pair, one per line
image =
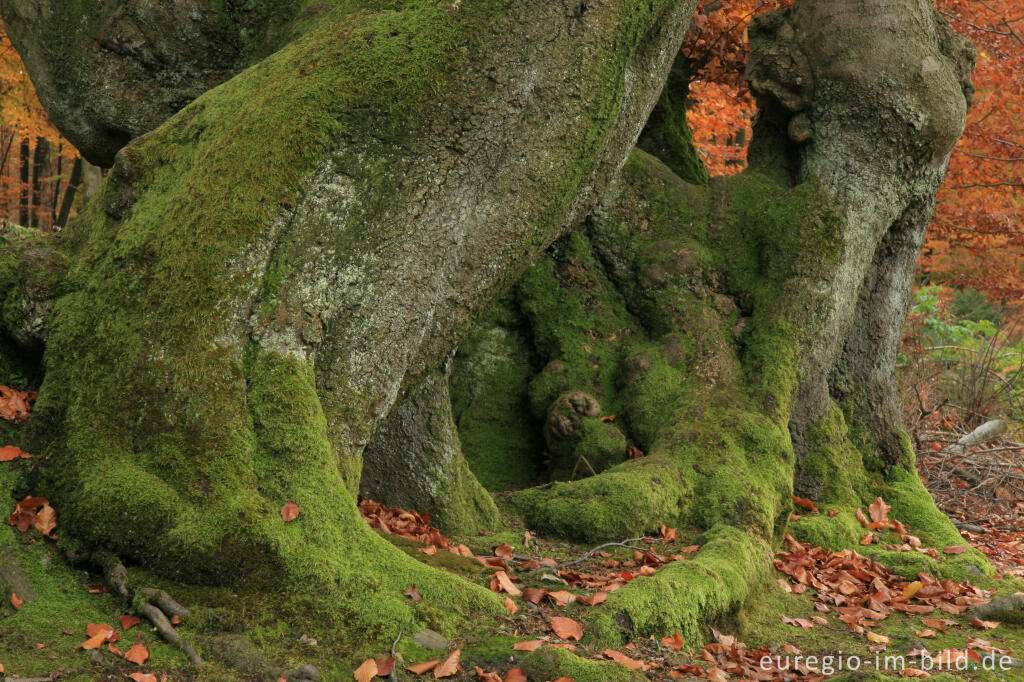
(268, 275)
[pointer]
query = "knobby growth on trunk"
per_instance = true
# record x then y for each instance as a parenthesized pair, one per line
(407, 250)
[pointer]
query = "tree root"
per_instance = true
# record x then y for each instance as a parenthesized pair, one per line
(152, 604)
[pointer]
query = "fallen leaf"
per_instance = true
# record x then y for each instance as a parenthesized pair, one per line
(424, 667)
(879, 510)
(93, 629)
(927, 632)
(805, 503)
(984, 624)
(385, 666)
(566, 628)
(504, 550)
(668, 533)
(515, 675)
(485, 676)
(562, 597)
(911, 589)
(448, 666)
(143, 677)
(833, 512)
(594, 599)
(9, 453)
(95, 641)
(956, 549)
(622, 658)
(876, 638)
(674, 641)
(15, 601)
(506, 584)
(412, 593)
(534, 595)
(429, 551)
(114, 650)
(367, 671)
(290, 512)
(914, 672)
(128, 621)
(510, 605)
(137, 654)
(531, 645)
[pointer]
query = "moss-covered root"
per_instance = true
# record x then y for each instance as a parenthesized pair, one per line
(684, 595)
(415, 461)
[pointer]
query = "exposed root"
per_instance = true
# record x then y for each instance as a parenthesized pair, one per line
(155, 607)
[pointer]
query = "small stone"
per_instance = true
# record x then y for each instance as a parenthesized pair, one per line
(96, 657)
(429, 639)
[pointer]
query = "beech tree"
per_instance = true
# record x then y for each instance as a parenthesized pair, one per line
(407, 247)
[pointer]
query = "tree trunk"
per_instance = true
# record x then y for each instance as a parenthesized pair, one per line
(24, 206)
(269, 285)
(40, 158)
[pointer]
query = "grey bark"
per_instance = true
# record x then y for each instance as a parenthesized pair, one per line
(108, 72)
(866, 99)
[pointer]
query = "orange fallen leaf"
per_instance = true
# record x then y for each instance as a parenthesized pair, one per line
(290, 512)
(984, 624)
(515, 675)
(96, 641)
(594, 599)
(927, 632)
(674, 641)
(562, 597)
(143, 677)
(9, 453)
(911, 589)
(367, 671)
(504, 550)
(137, 654)
(956, 549)
(879, 510)
(566, 628)
(510, 605)
(833, 512)
(385, 666)
(914, 672)
(876, 638)
(429, 550)
(622, 658)
(424, 667)
(114, 650)
(15, 601)
(506, 584)
(485, 676)
(128, 621)
(805, 503)
(531, 645)
(668, 533)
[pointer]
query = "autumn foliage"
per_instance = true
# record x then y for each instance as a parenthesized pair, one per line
(39, 170)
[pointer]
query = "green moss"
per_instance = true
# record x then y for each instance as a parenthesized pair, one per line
(684, 595)
(490, 375)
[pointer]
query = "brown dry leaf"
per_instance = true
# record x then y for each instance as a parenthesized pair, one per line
(15, 404)
(504, 550)
(485, 676)
(175, 619)
(93, 629)
(137, 654)
(594, 599)
(956, 549)
(927, 632)
(861, 518)
(531, 645)
(867, 539)
(939, 624)
(9, 453)
(668, 533)
(290, 512)
(984, 624)
(914, 672)
(429, 551)
(385, 666)
(674, 641)
(566, 628)
(16, 602)
(879, 510)
(510, 606)
(412, 593)
(562, 597)
(806, 504)
(506, 584)
(114, 650)
(143, 677)
(46, 520)
(515, 675)
(367, 671)
(534, 595)
(128, 621)
(833, 512)
(876, 638)
(424, 667)
(96, 641)
(448, 666)
(718, 675)
(622, 658)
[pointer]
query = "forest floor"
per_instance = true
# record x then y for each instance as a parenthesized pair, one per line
(821, 614)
